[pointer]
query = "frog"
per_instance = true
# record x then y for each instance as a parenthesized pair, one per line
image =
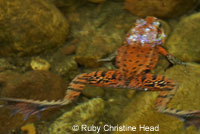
(134, 60)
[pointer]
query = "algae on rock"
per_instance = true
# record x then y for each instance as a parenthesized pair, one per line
(64, 65)
(184, 40)
(160, 8)
(30, 29)
(6, 65)
(87, 113)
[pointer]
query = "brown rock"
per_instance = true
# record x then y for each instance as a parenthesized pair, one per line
(160, 8)
(92, 91)
(68, 49)
(64, 65)
(32, 28)
(6, 65)
(97, 1)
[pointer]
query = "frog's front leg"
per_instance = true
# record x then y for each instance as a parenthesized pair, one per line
(109, 58)
(170, 57)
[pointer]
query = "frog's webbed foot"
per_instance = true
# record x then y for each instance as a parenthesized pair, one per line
(30, 107)
(172, 59)
(109, 58)
(189, 118)
(168, 88)
(192, 121)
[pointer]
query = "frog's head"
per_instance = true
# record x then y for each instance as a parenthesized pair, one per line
(146, 31)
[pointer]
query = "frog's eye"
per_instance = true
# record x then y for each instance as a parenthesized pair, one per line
(158, 24)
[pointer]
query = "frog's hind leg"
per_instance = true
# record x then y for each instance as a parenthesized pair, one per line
(34, 107)
(168, 89)
(30, 107)
(97, 78)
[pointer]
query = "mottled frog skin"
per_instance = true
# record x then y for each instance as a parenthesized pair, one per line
(135, 59)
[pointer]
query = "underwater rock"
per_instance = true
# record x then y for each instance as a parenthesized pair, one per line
(162, 65)
(64, 65)
(87, 113)
(39, 85)
(160, 8)
(32, 28)
(97, 1)
(67, 3)
(6, 65)
(68, 49)
(92, 91)
(184, 40)
(141, 110)
(28, 129)
(40, 64)
(32, 85)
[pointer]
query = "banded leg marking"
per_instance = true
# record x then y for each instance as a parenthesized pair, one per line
(76, 86)
(97, 78)
(168, 89)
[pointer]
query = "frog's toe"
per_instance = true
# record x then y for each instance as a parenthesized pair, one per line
(191, 119)
(30, 107)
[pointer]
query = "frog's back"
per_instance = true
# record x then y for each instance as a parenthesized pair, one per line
(135, 60)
